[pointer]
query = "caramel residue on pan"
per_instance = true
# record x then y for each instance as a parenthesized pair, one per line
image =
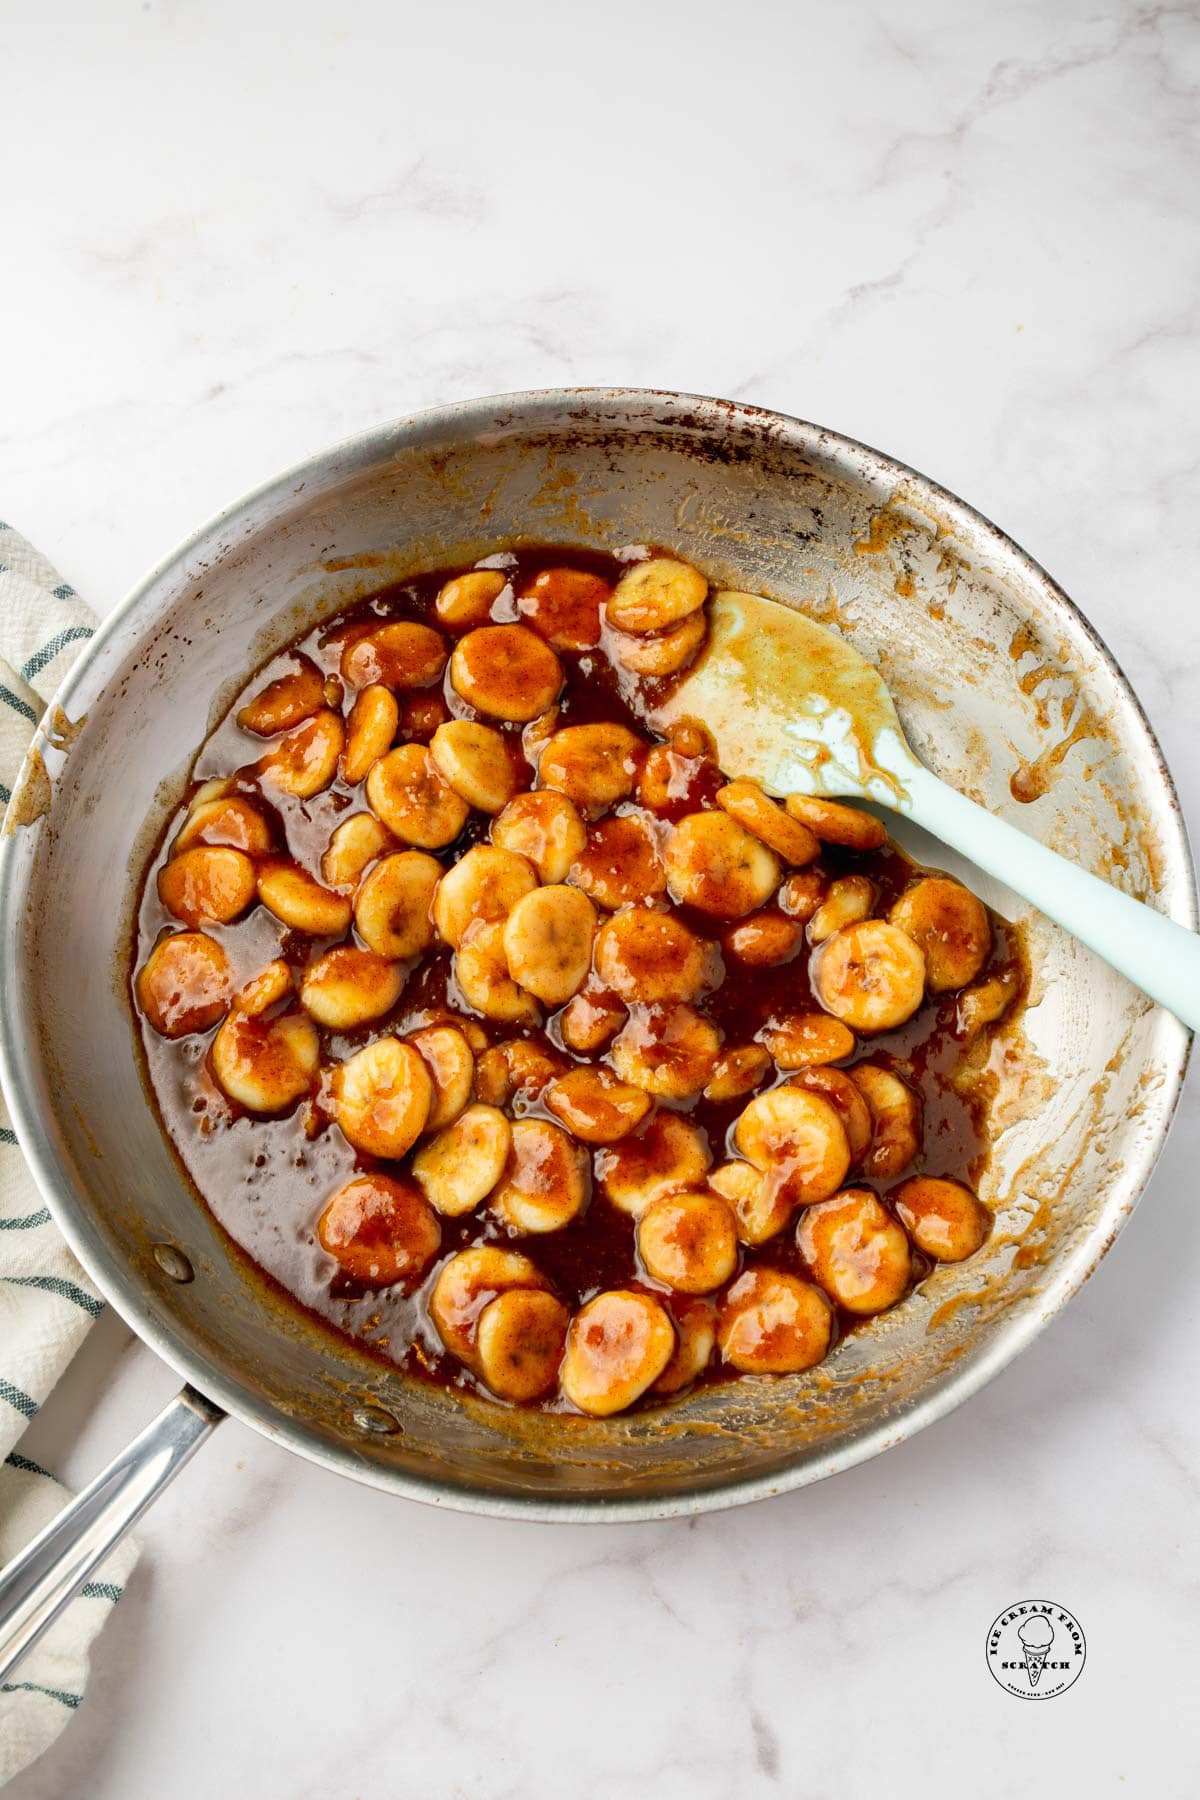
(1031, 779)
(31, 801)
(884, 528)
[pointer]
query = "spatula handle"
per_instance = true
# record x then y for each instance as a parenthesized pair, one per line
(1157, 955)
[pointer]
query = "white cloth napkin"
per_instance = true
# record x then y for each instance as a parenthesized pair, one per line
(47, 1303)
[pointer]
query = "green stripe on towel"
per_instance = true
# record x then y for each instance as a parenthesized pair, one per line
(48, 652)
(35, 1687)
(16, 1461)
(101, 1590)
(28, 1222)
(17, 1398)
(65, 1290)
(18, 705)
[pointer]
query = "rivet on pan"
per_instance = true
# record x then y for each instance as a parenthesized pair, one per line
(374, 1418)
(173, 1262)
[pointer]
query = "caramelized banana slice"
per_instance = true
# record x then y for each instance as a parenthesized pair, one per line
(546, 829)
(651, 956)
(380, 1230)
(306, 760)
(895, 1120)
(474, 760)
(465, 1285)
(737, 1071)
(420, 716)
(517, 1067)
(402, 654)
(949, 925)
(264, 990)
(689, 1241)
(467, 600)
(229, 821)
(665, 653)
(834, 823)
(674, 782)
(393, 909)
(372, 725)
(985, 1003)
(943, 1218)
(763, 941)
(563, 606)
(184, 984)
(301, 903)
(285, 702)
(486, 883)
(506, 671)
(798, 1139)
(548, 942)
(621, 863)
(447, 1055)
(760, 1206)
(801, 894)
(695, 1324)
(770, 1323)
(670, 1051)
(668, 1153)
(405, 790)
(458, 1168)
(545, 1183)
(856, 1250)
(871, 976)
(352, 848)
(382, 1096)
(596, 1107)
(593, 765)
(265, 1065)
(847, 1101)
(481, 971)
(800, 1040)
(207, 883)
(715, 865)
(746, 802)
(519, 1343)
(348, 987)
(847, 901)
(591, 1020)
(653, 595)
(617, 1347)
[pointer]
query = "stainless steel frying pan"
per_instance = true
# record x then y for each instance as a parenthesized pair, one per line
(993, 670)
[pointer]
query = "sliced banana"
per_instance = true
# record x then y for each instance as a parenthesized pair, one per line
(834, 823)
(593, 765)
(402, 654)
(765, 940)
(665, 653)
(563, 606)
(548, 940)
(770, 1323)
(746, 802)
(654, 595)
(506, 671)
(871, 976)
(530, 1066)
(856, 1251)
(382, 1096)
(285, 702)
(545, 828)
(647, 956)
(798, 1139)
(951, 927)
(695, 1324)
(448, 1057)
(301, 903)
(481, 971)
(737, 1071)
(761, 1207)
(486, 883)
(265, 990)
(353, 847)
(847, 1100)
(405, 790)
(465, 1285)
(519, 1343)
(667, 1153)
(594, 1106)
(621, 862)
(467, 600)
(333, 689)
(348, 987)
(714, 864)
(673, 783)
(943, 1218)
(590, 1020)
(393, 908)
(458, 1168)
(370, 730)
(987, 1002)
(474, 760)
(670, 1051)
(215, 788)
(380, 1230)
(895, 1120)
(617, 1347)
(209, 883)
(229, 821)
(185, 984)
(689, 1241)
(847, 901)
(420, 716)
(801, 1040)
(306, 760)
(545, 1184)
(801, 893)
(265, 1065)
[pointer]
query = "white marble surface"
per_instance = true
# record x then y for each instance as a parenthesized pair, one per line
(961, 229)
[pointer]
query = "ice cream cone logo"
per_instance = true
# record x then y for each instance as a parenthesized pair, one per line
(1036, 1635)
(1036, 1649)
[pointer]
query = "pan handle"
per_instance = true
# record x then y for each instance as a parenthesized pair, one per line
(37, 1584)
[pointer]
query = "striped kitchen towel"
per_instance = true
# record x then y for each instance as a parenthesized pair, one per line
(46, 1301)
